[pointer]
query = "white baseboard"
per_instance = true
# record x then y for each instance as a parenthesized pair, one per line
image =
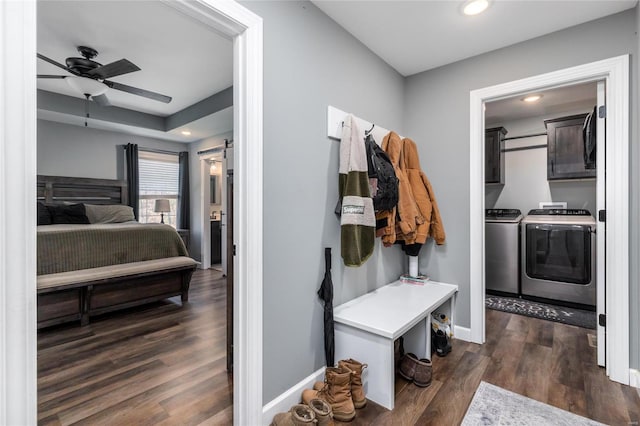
(634, 378)
(290, 397)
(462, 333)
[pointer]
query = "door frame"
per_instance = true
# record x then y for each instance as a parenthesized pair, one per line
(18, 338)
(615, 72)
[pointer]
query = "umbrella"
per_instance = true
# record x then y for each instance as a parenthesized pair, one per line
(326, 294)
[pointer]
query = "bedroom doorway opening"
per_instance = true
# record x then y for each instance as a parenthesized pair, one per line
(18, 396)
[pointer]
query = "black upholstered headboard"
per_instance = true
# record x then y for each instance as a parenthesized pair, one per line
(59, 189)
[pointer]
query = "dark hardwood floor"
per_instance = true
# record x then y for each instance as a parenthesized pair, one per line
(164, 364)
(546, 361)
(153, 365)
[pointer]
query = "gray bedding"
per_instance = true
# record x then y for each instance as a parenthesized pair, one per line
(63, 248)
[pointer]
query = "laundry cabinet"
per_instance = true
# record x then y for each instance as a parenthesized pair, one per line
(566, 149)
(494, 155)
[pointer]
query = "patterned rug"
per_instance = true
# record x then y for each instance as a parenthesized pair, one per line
(492, 405)
(570, 316)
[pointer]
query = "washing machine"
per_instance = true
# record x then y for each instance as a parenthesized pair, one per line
(502, 249)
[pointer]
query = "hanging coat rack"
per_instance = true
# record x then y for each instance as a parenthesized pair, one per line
(335, 119)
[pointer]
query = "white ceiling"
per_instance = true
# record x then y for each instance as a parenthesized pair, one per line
(414, 36)
(173, 51)
(187, 60)
(554, 101)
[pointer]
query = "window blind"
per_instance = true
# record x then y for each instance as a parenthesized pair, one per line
(158, 175)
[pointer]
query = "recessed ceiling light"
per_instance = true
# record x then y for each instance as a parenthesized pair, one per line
(186, 132)
(475, 7)
(532, 98)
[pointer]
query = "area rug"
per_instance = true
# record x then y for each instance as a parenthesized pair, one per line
(492, 405)
(570, 316)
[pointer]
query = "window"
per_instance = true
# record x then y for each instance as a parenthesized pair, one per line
(158, 174)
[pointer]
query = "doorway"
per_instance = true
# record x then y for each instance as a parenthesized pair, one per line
(614, 72)
(542, 194)
(18, 331)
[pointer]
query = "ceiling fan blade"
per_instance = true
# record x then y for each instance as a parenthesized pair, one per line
(101, 100)
(137, 91)
(51, 76)
(123, 66)
(57, 64)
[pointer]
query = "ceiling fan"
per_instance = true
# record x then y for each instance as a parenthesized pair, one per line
(90, 77)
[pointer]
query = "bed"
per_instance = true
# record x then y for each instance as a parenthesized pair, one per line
(86, 268)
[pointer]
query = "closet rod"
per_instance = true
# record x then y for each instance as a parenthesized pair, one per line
(158, 151)
(523, 148)
(525, 136)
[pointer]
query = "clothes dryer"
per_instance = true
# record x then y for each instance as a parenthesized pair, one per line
(559, 255)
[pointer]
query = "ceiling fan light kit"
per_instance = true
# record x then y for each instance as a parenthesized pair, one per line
(86, 86)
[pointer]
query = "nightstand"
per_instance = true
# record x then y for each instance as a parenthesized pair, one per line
(185, 235)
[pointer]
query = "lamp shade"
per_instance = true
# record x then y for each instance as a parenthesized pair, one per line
(162, 206)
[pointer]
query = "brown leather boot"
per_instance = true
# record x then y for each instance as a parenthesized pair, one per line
(336, 392)
(323, 412)
(357, 391)
(299, 415)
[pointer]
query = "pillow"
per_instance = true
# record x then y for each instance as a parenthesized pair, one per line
(113, 213)
(71, 213)
(44, 217)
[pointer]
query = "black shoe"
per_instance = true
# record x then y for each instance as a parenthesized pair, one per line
(443, 347)
(433, 340)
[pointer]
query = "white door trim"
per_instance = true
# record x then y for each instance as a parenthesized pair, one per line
(18, 372)
(18, 397)
(615, 71)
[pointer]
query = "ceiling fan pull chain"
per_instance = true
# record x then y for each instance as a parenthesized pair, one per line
(86, 109)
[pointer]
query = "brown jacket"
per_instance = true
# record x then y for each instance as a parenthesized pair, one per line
(416, 216)
(403, 219)
(423, 195)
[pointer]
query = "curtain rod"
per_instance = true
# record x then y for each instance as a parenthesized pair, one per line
(158, 151)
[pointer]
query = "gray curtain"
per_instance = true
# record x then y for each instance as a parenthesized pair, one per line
(183, 191)
(133, 180)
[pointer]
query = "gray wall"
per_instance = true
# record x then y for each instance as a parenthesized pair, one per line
(68, 150)
(437, 115)
(309, 63)
(526, 181)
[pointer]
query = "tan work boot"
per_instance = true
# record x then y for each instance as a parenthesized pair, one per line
(323, 412)
(336, 392)
(299, 415)
(357, 392)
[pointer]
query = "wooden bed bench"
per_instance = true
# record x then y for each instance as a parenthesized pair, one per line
(77, 295)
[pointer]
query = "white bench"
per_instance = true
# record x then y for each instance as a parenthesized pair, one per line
(366, 327)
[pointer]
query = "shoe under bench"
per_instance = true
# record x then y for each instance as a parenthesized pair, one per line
(367, 326)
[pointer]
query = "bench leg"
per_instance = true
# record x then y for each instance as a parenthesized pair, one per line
(85, 297)
(377, 352)
(186, 280)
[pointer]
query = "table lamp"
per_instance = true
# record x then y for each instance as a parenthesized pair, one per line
(162, 207)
